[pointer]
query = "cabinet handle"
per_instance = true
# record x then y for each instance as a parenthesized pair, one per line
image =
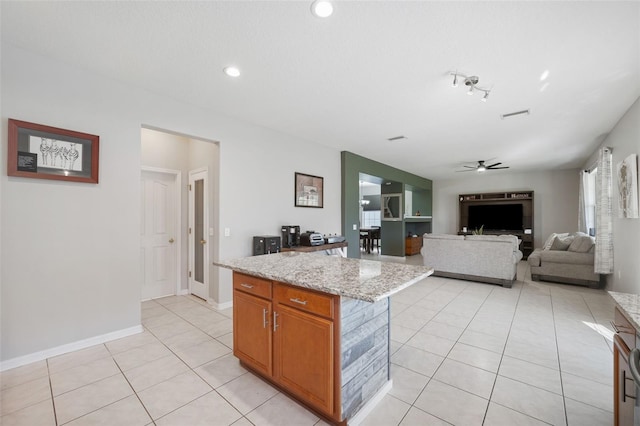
(620, 328)
(624, 386)
(301, 302)
(265, 321)
(275, 320)
(246, 285)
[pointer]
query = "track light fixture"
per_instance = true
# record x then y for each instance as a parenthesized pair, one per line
(472, 83)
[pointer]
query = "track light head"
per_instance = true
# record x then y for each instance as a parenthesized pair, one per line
(471, 82)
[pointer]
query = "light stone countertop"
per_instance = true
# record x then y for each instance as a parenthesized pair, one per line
(367, 280)
(629, 304)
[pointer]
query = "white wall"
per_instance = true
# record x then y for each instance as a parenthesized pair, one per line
(70, 251)
(625, 140)
(555, 201)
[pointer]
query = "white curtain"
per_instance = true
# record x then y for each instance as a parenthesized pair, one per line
(582, 203)
(604, 214)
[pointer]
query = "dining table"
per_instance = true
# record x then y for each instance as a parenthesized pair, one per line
(368, 234)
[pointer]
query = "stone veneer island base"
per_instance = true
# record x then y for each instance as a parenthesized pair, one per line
(317, 327)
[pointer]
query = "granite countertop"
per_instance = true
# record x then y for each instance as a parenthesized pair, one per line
(367, 280)
(629, 305)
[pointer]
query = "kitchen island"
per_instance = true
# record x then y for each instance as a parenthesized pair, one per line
(317, 327)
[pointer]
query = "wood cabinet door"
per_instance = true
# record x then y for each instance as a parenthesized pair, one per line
(304, 356)
(252, 337)
(624, 386)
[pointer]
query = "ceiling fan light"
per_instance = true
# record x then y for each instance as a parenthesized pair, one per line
(482, 168)
(322, 8)
(470, 92)
(231, 71)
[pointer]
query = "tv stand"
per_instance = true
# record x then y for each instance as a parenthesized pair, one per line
(525, 198)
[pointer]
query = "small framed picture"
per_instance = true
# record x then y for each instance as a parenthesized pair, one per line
(308, 190)
(45, 152)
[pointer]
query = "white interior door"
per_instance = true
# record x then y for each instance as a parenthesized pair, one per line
(158, 234)
(198, 234)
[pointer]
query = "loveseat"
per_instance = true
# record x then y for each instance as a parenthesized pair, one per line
(485, 258)
(566, 258)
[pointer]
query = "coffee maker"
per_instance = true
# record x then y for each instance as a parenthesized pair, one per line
(290, 236)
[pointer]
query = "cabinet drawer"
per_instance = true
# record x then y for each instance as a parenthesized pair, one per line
(252, 285)
(624, 329)
(306, 300)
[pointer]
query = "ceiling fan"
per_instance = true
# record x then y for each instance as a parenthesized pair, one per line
(481, 167)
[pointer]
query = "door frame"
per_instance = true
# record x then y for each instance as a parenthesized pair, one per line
(207, 252)
(177, 175)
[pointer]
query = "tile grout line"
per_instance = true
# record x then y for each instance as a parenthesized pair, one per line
(194, 372)
(555, 329)
(504, 348)
(53, 401)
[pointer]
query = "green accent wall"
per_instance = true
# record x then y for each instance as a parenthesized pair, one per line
(392, 233)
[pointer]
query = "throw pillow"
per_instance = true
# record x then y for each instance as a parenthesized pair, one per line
(582, 244)
(561, 243)
(547, 244)
(552, 237)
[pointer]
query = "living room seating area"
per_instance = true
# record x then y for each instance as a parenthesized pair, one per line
(485, 258)
(566, 258)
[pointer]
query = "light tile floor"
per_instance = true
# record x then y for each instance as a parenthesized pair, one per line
(463, 353)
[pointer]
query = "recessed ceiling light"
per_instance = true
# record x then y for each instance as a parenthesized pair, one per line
(232, 71)
(322, 8)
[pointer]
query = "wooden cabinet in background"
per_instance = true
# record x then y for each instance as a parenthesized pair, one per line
(412, 245)
(624, 388)
(251, 317)
(303, 365)
(288, 335)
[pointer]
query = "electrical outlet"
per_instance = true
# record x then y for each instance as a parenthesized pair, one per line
(355, 227)
(227, 232)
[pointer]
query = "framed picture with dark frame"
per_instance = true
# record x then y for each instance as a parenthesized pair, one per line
(308, 190)
(45, 152)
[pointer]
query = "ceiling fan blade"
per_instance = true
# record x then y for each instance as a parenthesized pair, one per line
(470, 170)
(497, 168)
(493, 165)
(469, 167)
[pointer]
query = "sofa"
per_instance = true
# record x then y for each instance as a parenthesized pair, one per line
(484, 258)
(566, 258)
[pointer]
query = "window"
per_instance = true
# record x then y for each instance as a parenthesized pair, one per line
(370, 218)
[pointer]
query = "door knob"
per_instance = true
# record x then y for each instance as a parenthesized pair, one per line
(203, 242)
(171, 240)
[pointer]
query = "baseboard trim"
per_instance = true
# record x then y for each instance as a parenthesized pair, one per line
(183, 292)
(220, 306)
(370, 405)
(69, 347)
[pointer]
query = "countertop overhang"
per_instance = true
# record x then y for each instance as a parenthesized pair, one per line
(367, 280)
(629, 305)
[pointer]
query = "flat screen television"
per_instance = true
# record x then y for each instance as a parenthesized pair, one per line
(496, 217)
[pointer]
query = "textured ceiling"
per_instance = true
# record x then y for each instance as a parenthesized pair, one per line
(371, 71)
